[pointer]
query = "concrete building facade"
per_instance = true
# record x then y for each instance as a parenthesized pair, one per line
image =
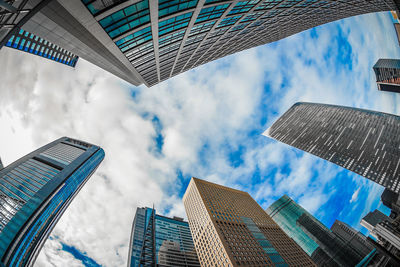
(229, 228)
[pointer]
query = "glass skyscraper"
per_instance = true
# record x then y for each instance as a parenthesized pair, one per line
(149, 41)
(35, 191)
(285, 212)
(363, 141)
(160, 241)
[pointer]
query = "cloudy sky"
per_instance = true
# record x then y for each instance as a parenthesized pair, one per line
(205, 123)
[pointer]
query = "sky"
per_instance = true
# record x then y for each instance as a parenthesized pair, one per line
(206, 123)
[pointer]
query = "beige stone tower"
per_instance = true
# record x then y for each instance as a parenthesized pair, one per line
(229, 228)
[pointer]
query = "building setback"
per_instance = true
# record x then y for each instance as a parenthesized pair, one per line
(285, 213)
(229, 228)
(35, 191)
(160, 241)
(363, 141)
(143, 41)
(387, 72)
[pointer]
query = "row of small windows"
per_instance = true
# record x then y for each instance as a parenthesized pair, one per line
(33, 44)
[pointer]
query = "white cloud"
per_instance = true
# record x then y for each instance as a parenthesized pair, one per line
(355, 195)
(209, 109)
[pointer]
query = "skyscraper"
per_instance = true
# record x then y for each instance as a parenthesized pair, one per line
(371, 220)
(285, 212)
(149, 41)
(363, 141)
(160, 241)
(353, 239)
(229, 228)
(337, 251)
(35, 191)
(387, 72)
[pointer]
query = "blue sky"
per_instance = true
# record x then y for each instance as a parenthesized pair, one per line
(205, 123)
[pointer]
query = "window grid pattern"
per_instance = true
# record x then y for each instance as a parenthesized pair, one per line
(32, 44)
(210, 13)
(63, 153)
(174, 23)
(168, 7)
(216, 219)
(48, 216)
(243, 6)
(97, 7)
(362, 141)
(271, 20)
(126, 19)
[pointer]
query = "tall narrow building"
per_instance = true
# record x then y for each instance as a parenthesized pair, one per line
(229, 228)
(363, 141)
(149, 41)
(285, 212)
(387, 72)
(160, 241)
(35, 191)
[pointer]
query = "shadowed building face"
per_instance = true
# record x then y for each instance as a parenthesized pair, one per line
(363, 141)
(229, 228)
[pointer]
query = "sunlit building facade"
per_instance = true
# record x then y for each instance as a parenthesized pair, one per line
(160, 241)
(285, 212)
(35, 191)
(229, 228)
(363, 141)
(387, 72)
(143, 41)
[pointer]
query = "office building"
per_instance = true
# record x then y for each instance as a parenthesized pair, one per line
(160, 241)
(387, 72)
(363, 141)
(143, 41)
(371, 220)
(336, 251)
(229, 228)
(35, 191)
(285, 212)
(352, 238)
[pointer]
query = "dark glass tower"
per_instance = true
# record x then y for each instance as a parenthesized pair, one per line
(285, 212)
(363, 141)
(160, 241)
(35, 191)
(149, 41)
(387, 73)
(333, 250)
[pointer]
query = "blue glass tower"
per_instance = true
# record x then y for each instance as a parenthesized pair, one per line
(160, 241)
(285, 212)
(35, 191)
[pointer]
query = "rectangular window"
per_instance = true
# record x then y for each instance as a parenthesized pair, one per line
(126, 19)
